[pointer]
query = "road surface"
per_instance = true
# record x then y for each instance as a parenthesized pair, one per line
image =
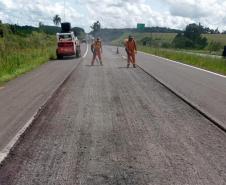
(113, 125)
(22, 97)
(205, 90)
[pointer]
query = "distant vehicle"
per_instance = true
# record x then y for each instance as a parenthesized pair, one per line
(67, 43)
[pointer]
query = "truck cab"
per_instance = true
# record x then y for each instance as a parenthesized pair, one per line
(67, 45)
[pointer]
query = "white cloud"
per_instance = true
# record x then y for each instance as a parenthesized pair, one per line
(211, 13)
(31, 12)
(129, 13)
(117, 13)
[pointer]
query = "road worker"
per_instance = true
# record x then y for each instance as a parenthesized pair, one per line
(92, 46)
(97, 51)
(131, 49)
(125, 45)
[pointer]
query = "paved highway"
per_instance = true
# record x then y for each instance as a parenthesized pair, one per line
(205, 90)
(113, 125)
(21, 98)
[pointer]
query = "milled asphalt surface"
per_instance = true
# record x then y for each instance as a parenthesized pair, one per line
(22, 97)
(113, 125)
(205, 90)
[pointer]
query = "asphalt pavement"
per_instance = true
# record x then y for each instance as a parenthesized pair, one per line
(205, 90)
(21, 98)
(113, 125)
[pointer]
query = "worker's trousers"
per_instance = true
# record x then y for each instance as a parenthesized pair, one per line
(95, 55)
(131, 58)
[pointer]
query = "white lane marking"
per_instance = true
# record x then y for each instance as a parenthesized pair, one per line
(87, 49)
(4, 153)
(184, 64)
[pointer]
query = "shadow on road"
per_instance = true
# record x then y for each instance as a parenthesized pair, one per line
(125, 67)
(89, 65)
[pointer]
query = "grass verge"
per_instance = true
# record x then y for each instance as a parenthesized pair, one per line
(23, 53)
(22, 61)
(217, 65)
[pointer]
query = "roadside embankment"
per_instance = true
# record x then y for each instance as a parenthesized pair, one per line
(20, 53)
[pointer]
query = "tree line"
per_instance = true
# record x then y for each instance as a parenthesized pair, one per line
(191, 38)
(27, 30)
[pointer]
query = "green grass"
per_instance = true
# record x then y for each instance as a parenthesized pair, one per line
(193, 58)
(20, 54)
(20, 62)
(168, 37)
(221, 38)
(165, 37)
(217, 65)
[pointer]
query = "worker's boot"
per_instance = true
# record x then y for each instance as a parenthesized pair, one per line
(127, 65)
(134, 65)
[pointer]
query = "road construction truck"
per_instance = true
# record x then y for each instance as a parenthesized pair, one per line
(67, 43)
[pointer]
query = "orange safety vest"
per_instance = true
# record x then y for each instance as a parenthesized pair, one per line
(97, 45)
(131, 46)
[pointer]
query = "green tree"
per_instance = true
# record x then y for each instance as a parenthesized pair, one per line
(56, 20)
(79, 32)
(96, 27)
(191, 38)
(40, 24)
(193, 31)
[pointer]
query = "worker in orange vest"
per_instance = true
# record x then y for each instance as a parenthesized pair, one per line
(131, 50)
(97, 50)
(92, 45)
(125, 45)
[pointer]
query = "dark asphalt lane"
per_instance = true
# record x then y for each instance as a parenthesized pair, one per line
(113, 125)
(205, 90)
(22, 97)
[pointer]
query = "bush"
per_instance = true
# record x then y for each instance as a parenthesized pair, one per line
(180, 41)
(191, 38)
(166, 45)
(215, 46)
(146, 41)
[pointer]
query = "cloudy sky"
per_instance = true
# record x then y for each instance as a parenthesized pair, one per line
(117, 13)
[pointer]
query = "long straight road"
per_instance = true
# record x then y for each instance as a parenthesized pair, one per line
(113, 125)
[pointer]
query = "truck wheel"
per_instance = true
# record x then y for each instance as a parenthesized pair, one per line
(78, 53)
(59, 56)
